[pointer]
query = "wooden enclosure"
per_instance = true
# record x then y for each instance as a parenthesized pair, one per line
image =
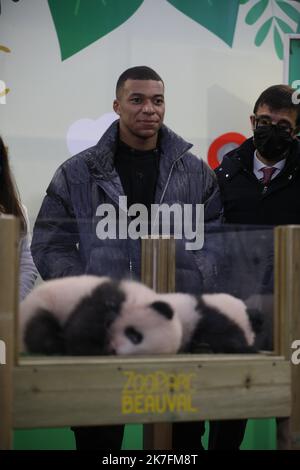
(44, 392)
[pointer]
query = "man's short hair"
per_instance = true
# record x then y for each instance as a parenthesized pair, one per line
(278, 97)
(141, 72)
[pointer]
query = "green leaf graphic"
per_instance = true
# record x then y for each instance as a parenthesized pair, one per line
(263, 31)
(284, 26)
(218, 16)
(289, 10)
(256, 11)
(79, 23)
(278, 43)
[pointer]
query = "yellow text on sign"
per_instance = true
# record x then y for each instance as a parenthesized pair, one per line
(157, 392)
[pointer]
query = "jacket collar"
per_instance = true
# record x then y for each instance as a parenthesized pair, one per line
(100, 158)
(241, 159)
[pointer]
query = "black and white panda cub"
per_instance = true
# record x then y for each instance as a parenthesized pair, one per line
(90, 315)
(215, 323)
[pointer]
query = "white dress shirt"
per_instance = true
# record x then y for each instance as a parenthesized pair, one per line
(258, 165)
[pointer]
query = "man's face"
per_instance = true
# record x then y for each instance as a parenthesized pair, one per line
(141, 107)
(285, 118)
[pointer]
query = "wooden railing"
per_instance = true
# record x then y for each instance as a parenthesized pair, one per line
(44, 392)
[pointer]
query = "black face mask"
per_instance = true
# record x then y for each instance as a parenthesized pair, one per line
(272, 143)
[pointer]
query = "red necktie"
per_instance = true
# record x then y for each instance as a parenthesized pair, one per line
(268, 172)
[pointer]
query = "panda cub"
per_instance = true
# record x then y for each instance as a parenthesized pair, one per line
(90, 315)
(216, 323)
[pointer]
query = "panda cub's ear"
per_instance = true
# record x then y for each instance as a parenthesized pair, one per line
(163, 309)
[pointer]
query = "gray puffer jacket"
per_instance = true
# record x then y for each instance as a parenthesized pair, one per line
(64, 238)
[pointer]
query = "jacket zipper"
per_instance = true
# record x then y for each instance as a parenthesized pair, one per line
(160, 201)
(168, 181)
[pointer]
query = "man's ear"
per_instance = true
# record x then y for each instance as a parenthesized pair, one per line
(116, 107)
(252, 120)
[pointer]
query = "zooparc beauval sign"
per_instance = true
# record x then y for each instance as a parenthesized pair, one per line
(157, 392)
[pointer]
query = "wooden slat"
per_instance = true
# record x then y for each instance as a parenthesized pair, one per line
(146, 262)
(287, 312)
(158, 263)
(90, 392)
(158, 272)
(8, 302)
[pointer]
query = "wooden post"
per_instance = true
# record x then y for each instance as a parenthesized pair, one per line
(158, 272)
(287, 323)
(8, 303)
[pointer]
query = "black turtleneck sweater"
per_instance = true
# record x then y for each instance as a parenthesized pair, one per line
(138, 171)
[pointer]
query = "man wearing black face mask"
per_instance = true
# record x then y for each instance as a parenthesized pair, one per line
(260, 184)
(260, 180)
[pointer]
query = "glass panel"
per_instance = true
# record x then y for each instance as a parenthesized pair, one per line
(237, 260)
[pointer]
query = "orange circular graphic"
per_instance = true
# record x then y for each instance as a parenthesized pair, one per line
(222, 145)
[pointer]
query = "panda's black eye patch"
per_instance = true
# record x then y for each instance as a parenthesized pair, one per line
(133, 335)
(163, 308)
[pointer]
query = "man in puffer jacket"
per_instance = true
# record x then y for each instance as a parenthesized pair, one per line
(142, 159)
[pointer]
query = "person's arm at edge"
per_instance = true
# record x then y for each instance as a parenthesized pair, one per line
(27, 270)
(55, 235)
